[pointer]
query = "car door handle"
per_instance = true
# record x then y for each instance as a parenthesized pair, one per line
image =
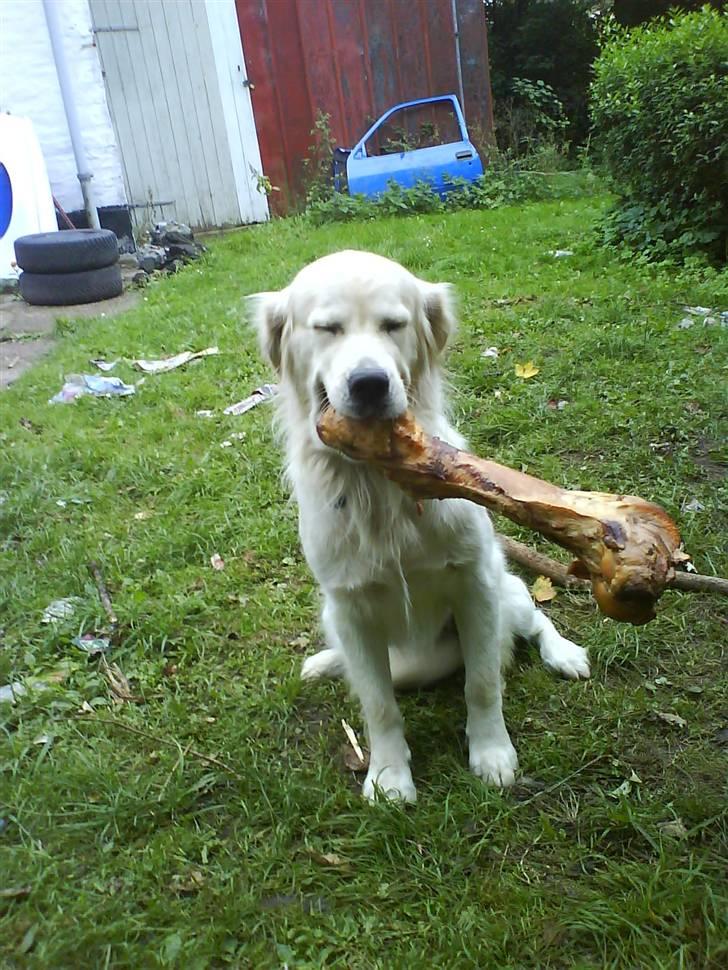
(463, 154)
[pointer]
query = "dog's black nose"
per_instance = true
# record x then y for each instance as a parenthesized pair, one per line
(368, 388)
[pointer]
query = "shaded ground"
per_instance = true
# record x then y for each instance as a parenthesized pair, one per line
(27, 332)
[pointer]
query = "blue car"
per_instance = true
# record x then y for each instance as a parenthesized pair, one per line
(424, 140)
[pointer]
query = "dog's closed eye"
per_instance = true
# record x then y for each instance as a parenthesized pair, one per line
(333, 328)
(391, 326)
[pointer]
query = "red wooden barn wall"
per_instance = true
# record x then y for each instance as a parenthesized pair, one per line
(353, 59)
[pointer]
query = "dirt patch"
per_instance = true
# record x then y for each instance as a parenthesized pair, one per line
(17, 356)
(27, 332)
(709, 456)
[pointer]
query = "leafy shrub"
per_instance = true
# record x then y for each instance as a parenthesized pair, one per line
(504, 183)
(530, 118)
(660, 112)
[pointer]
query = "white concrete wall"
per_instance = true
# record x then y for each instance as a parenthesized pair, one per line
(29, 87)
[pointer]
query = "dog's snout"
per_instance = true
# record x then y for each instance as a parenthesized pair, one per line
(368, 387)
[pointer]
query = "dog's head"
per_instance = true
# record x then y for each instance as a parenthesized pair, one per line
(356, 330)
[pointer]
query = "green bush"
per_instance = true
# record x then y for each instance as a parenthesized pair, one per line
(660, 112)
(505, 182)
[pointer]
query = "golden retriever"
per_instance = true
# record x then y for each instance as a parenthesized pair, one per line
(407, 597)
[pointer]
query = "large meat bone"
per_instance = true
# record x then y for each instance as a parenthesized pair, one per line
(628, 548)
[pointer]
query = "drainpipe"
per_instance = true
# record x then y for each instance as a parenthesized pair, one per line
(51, 8)
(458, 57)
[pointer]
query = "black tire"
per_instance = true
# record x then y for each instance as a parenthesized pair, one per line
(68, 251)
(63, 289)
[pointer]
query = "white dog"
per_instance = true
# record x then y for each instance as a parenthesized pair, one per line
(408, 595)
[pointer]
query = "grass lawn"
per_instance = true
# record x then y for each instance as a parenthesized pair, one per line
(121, 846)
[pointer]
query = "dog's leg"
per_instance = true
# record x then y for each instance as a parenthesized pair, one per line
(477, 615)
(326, 663)
(558, 654)
(367, 665)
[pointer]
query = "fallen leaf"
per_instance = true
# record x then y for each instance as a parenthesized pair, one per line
(352, 761)
(30, 426)
(543, 590)
(328, 859)
(144, 514)
(673, 719)
(15, 892)
(120, 687)
(217, 562)
(190, 882)
(29, 939)
(675, 828)
(624, 789)
(527, 370)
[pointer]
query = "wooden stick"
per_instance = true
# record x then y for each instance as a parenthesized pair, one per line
(537, 562)
(98, 577)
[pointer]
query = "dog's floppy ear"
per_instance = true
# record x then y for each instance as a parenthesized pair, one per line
(440, 313)
(269, 312)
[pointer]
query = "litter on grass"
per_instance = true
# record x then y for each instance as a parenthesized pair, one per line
(78, 385)
(10, 692)
(60, 609)
(104, 365)
(165, 364)
(266, 392)
(711, 317)
(92, 644)
(560, 253)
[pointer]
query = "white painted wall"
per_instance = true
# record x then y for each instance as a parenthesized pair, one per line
(29, 87)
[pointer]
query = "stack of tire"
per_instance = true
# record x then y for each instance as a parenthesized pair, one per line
(69, 266)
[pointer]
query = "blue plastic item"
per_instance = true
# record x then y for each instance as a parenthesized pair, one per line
(369, 174)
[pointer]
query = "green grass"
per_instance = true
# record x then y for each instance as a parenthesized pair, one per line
(138, 853)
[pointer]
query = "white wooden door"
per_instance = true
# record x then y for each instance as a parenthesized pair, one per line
(174, 74)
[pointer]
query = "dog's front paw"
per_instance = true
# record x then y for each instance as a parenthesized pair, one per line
(393, 782)
(325, 663)
(566, 658)
(496, 764)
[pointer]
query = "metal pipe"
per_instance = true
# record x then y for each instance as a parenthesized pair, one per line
(458, 57)
(51, 8)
